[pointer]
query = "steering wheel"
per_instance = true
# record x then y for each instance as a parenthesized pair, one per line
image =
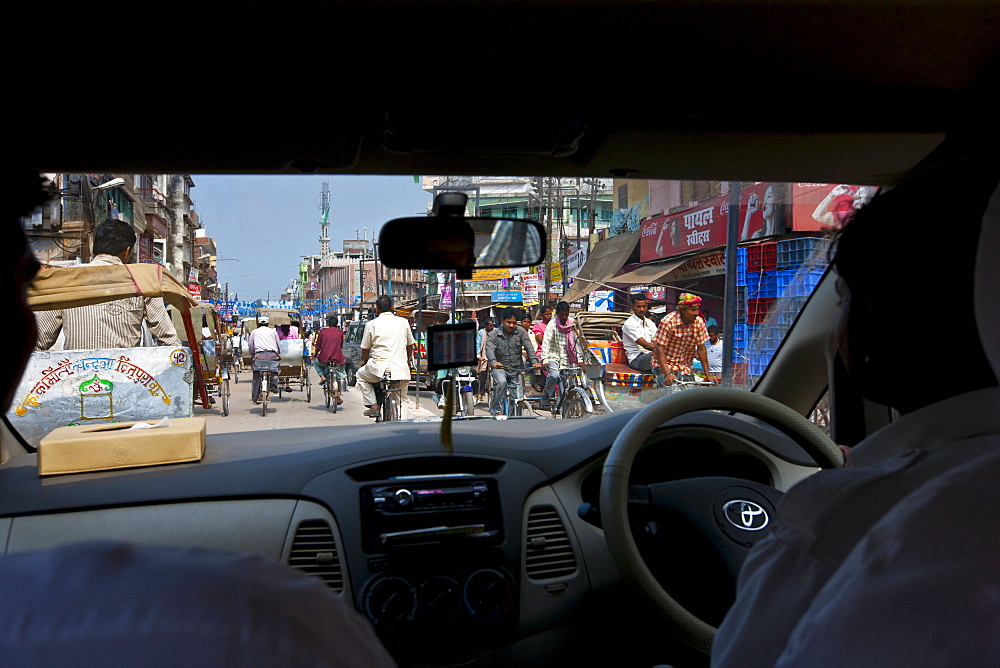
(730, 512)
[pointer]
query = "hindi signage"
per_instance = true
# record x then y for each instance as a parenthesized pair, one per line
(506, 296)
(529, 287)
(694, 229)
(490, 274)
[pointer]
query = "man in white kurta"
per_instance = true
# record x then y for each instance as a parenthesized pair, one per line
(387, 344)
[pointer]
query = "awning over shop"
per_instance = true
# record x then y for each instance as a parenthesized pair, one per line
(699, 265)
(604, 262)
(648, 273)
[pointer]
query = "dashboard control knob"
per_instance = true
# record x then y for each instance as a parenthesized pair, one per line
(404, 497)
(440, 597)
(489, 594)
(390, 601)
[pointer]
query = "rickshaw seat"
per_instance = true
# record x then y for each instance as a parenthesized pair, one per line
(626, 375)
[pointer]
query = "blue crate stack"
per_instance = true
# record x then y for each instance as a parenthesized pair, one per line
(791, 283)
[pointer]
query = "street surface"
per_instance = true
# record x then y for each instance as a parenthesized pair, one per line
(292, 410)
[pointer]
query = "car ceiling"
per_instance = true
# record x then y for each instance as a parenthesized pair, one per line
(852, 92)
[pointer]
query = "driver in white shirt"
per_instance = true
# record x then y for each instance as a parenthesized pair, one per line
(637, 335)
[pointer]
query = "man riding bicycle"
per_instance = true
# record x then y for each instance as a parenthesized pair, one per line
(680, 337)
(264, 346)
(504, 349)
(386, 345)
(329, 350)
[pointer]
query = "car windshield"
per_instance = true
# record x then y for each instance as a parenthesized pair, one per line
(298, 251)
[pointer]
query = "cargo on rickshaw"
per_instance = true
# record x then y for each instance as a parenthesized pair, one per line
(73, 387)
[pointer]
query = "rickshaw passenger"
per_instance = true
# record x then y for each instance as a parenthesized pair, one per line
(116, 324)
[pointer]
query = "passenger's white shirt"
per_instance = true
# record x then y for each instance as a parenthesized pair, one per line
(264, 339)
(120, 604)
(894, 560)
(634, 329)
(387, 337)
(714, 352)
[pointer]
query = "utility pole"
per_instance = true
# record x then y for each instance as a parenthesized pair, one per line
(178, 231)
(729, 295)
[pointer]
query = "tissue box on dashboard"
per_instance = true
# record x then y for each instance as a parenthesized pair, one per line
(103, 447)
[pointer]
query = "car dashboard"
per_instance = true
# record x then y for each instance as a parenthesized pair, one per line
(492, 551)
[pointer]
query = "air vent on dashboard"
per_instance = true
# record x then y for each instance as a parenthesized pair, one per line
(314, 552)
(549, 553)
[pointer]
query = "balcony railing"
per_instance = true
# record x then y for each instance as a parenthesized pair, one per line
(151, 195)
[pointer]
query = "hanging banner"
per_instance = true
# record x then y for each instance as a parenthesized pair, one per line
(445, 296)
(490, 274)
(555, 272)
(602, 300)
(529, 287)
(575, 262)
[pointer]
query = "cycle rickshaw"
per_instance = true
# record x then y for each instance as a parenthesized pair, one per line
(212, 372)
(293, 372)
(61, 387)
(618, 386)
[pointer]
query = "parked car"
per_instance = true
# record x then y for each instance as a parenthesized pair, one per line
(353, 331)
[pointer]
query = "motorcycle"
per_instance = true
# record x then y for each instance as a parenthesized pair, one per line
(462, 381)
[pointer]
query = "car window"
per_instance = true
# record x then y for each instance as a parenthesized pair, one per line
(608, 239)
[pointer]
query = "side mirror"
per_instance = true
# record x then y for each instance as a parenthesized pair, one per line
(452, 243)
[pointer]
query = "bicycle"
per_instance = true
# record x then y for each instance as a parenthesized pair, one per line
(332, 387)
(268, 372)
(390, 392)
(515, 404)
(575, 398)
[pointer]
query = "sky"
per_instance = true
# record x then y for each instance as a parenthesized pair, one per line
(263, 225)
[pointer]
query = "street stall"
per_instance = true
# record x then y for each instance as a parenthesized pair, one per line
(70, 387)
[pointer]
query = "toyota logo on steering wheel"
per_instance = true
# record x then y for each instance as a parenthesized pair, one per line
(745, 515)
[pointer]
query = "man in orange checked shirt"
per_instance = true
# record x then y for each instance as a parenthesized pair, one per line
(680, 338)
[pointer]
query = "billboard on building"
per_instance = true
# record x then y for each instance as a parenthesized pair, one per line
(825, 206)
(698, 228)
(355, 246)
(763, 210)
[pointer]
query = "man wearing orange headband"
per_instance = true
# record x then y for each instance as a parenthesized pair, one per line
(680, 338)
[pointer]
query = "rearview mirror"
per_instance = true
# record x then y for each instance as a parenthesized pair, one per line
(451, 243)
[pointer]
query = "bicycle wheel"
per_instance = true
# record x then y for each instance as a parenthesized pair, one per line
(235, 369)
(390, 407)
(308, 385)
(225, 397)
(468, 404)
(575, 406)
(352, 377)
(332, 391)
(328, 391)
(265, 392)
